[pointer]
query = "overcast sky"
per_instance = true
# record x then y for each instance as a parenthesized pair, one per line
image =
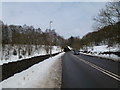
(69, 18)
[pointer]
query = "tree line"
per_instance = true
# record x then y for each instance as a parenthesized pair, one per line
(28, 35)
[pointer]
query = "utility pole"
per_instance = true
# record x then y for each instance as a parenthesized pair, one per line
(50, 38)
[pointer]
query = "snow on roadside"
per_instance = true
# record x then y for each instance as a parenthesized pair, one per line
(96, 50)
(103, 48)
(112, 56)
(46, 74)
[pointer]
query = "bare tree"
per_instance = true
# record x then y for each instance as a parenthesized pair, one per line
(108, 16)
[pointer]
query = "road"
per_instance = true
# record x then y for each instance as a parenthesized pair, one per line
(82, 71)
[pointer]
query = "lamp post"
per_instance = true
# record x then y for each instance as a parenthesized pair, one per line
(50, 39)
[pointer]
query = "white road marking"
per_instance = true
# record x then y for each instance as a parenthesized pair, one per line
(115, 76)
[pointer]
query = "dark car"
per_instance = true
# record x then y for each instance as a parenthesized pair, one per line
(76, 53)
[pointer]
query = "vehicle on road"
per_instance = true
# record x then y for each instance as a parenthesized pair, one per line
(76, 53)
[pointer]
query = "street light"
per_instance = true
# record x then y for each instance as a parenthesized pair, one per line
(51, 24)
(50, 39)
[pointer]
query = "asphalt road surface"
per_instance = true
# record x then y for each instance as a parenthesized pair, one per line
(82, 71)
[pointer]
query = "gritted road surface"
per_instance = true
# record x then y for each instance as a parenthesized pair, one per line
(82, 71)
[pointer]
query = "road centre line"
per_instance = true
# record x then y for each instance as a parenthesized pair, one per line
(115, 76)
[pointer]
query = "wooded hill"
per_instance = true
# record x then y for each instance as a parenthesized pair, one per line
(109, 35)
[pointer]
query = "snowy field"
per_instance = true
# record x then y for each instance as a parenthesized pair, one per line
(46, 74)
(96, 50)
(12, 54)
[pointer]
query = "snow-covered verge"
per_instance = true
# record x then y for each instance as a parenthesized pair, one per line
(46, 74)
(98, 50)
(20, 52)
